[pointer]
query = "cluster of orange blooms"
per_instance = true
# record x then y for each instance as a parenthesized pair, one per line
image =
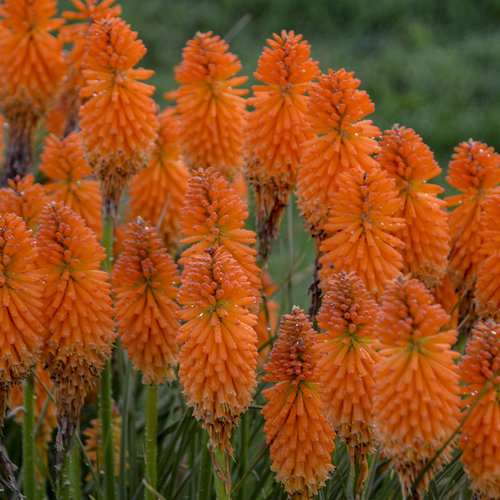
(398, 273)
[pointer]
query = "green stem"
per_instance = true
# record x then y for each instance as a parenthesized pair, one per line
(105, 389)
(244, 442)
(124, 439)
(150, 444)
(75, 474)
(29, 482)
(222, 488)
(63, 487)
(290, 254)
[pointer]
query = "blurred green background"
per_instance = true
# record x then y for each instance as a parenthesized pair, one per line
(427, 64)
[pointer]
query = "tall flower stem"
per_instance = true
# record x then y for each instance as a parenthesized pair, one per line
(29, 483)
(105, 389)
(75, 488)
(222, 487)
(150, 444)
(63, 485)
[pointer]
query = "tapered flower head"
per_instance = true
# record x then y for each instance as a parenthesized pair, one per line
(157, 191)
(276, 127)
(143, 280)
(343, 140)
(474, 170)
(32, 67)
(361, 230)
(218, 342)
(118, 101)
(480, 440)
(25, 198)
(416, 404)
(475, 167)
(346, 366)
(78, 311)
(410, 162)
(63, 163)
(31, 59)
(487, 289)
(297, 430)
(213, 215)
(21, 307)
(211, 107)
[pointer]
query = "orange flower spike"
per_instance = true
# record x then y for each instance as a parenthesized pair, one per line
(410, 162)
(214, 215)
(361, 230)
(32, 67)
(21, 307)
(63, 163)
(345, 369)
(120, 103)
(157, 191)
(211, 107)
(25, 198)
(474, 170)
(276, 127)
(480, 439)
(78, 310)
(416, 402)
(218, 342)
(342, 140)
(301, 441)
(143, 280)
(487, 290)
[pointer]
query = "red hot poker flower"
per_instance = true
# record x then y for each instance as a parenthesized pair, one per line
(32, 67)
(119, 102)
(343, 140)
(78, 311)
(480, 440)
(416, 403)
(474, 170)
(218, 342)
(276, 127)
(143, 280)
(411, 164)
(346, 367)
(211, 107)
(487, 290)
(361, 230)
(21, 307)
(301, 441)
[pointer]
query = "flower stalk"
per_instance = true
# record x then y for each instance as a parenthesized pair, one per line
(150, 445)
(29, 483)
